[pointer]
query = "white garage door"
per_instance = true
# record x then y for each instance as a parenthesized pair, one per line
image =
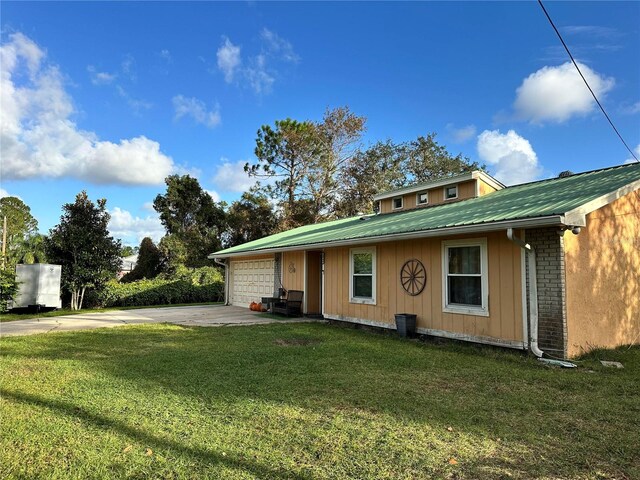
(251, 280)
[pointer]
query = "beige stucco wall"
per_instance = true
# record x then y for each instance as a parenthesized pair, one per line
(505, 288)
(603, 278)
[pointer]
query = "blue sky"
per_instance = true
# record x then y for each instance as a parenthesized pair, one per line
(111, 97)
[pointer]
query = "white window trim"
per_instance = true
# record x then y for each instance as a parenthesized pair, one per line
(418, 198)
(393, 203)
(483, 310)
(364, 300)
(444, 192)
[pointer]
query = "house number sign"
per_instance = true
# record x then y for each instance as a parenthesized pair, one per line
(413, 277)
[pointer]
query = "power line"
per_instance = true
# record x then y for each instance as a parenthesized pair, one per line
(585, 81)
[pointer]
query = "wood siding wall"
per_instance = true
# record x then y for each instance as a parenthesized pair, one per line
(436, 196)
(603, 278)
(505, 288)
(293, 261)
(485, 188)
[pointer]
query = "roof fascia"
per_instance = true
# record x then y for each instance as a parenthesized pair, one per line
(436, 232)
(578, 216)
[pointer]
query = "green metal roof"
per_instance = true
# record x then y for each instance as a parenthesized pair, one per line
(546, 198)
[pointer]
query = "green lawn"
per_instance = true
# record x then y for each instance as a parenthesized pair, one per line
(306, 401)
(25, 315)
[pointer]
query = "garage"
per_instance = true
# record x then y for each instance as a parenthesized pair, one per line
(250, 280)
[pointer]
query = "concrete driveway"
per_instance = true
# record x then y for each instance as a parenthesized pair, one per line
(200, 316)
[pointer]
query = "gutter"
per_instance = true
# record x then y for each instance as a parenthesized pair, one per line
(533, 292)
(223, 262)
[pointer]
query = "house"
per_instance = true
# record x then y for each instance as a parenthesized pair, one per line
(128, 264)
(552, 266)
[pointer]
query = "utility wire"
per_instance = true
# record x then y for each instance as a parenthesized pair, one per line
(585, 81)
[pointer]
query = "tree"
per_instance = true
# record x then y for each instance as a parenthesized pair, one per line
(191, 217)
(375, 170)
(22, 227)
(250, 218)
(338, 136)
(428, 160)
(303, 162)
(284, 156)
(128, 250)
(149, 262)
(386, 166)
(82, 245)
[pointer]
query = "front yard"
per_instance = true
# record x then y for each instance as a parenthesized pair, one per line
(306, 401)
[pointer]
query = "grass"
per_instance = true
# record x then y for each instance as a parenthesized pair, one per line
(307, 401)
(11, 317)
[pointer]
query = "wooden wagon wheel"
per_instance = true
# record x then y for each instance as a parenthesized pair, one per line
(413, 277)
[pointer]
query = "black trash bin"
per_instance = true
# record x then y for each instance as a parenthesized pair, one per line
(406, 324)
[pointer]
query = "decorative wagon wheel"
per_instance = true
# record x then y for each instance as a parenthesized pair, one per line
(413, 277)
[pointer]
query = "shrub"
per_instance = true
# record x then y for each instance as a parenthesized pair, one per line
(203, 286)
(9, 287)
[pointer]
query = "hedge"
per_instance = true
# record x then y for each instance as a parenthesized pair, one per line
(159, 292)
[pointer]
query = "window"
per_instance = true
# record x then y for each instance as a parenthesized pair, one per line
(450, 192)
(397, 203)
(362, 275)
(465, 279)
(422, 198)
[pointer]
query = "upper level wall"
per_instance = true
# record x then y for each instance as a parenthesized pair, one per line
(603, 278)
(436, 196)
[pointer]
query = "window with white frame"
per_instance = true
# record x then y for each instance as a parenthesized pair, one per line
(397, 203)
(465, 276)
(451, 192)
(422, 198)
(362, 275)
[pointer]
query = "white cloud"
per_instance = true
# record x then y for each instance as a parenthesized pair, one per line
(461, 135)
(278, 46)
(637, 152)
(128, 67)
(559, 93)
(100, 78)
(231, 177)
(136, 105)
(258, 77)
(228, 59)
(509, 156)
(213, 194)
(166, 55)
(630, 109)
(4, 193)
(259, 71)
(148, 206)
(132, 229)
(196, 109)
(38, 137)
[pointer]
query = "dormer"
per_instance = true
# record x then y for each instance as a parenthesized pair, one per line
(443, 190)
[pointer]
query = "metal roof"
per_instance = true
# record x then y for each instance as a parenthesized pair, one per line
(554, 201)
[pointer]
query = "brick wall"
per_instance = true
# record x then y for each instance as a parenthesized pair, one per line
(550, 279)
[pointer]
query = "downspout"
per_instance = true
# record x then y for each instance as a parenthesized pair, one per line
(533, 292)
(223, 262)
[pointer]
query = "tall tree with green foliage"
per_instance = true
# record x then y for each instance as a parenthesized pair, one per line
(250, 218)
(191, 217)
(82, 245)
(428, 160)
(284, 155)
(376, 169)
(149, 263)
(302, 163)
(23, 240)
